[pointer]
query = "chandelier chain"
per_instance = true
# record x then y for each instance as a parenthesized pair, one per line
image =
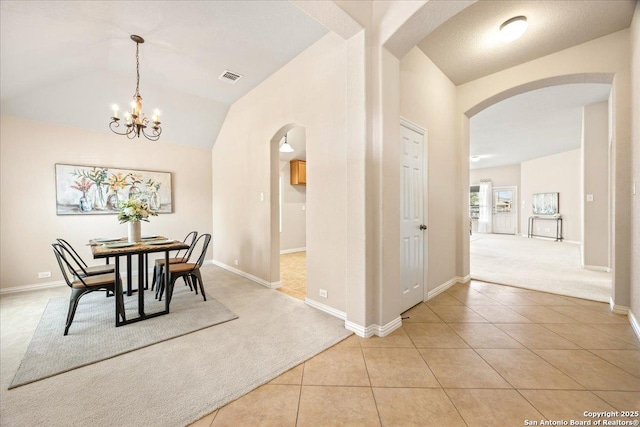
(137, 72)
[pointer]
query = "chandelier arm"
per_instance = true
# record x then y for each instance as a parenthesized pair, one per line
(154, 135)
(115, 124)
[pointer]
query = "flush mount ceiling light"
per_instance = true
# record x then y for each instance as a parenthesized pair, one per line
(136, 122)
(286, 148)
(513, 28)
(475, 158)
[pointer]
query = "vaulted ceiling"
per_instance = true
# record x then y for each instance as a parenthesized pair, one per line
(67, 62)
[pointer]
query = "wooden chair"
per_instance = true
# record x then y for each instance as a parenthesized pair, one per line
(159, 265)
(187, 269)
(83, 283)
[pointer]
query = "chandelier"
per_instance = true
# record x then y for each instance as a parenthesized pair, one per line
(136, 122)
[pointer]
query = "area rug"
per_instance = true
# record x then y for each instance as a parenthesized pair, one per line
(537, 264)
(176, 382)
(93, 336)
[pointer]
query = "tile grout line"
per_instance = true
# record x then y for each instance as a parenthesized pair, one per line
(304, 364)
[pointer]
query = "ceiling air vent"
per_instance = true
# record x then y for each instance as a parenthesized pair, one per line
(230, 76)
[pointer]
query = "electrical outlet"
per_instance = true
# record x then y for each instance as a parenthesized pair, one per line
(304, 208)
(262, 197)
(235, 262)
(44, 274)
(589, 197)
(323, 293)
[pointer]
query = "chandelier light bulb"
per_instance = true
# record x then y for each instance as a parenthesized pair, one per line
(513, 28)
(115, 109)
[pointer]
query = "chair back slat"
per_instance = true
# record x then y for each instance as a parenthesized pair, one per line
(190, 239)
(65, 258)
(205, 246)
(72, 252)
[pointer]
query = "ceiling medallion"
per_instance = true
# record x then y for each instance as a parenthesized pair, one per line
(136, 122)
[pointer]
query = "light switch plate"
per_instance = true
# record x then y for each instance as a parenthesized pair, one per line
(589, 197)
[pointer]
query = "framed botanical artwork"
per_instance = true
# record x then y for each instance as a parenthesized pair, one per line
(97, 190)
(545, 203)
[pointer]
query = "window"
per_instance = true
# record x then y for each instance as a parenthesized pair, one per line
(474, 201)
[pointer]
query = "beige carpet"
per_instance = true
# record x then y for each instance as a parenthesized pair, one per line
(93, 337)
(172, 383)
(537, 264)
(293, 274)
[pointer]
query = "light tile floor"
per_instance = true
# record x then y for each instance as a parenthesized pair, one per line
(477, 355)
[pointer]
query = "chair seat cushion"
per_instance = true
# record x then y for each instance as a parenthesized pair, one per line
(182, 267)
(96, 269)
(171, 261)
(100, 280)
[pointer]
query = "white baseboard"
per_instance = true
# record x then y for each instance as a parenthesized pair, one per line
(634, 323)
(32, 287)
(597, 268)
(290, 251)
(618, 309)
(446, 285)
(56, 283)
(371, 330)
(251, 277)
(323, 307)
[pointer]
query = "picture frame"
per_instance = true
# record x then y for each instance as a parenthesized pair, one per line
(545, 203)
(97, 190)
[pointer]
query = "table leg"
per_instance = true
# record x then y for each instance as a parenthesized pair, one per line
(146, 273)
(118, 291)
(167, 273)
(129, 291)
(142, 273)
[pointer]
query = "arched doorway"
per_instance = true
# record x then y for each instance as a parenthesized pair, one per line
(476, 102)
(561, 151)
(288, 210)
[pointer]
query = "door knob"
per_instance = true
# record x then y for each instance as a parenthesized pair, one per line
(423, 227)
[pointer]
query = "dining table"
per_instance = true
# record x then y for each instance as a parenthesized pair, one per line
(119, 247)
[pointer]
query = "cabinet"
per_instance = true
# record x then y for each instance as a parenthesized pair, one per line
(298, 172)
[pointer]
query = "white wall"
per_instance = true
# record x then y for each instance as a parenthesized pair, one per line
(635, 175)
(595, 168)
(28, 152)
(313, 85)
(558, 173)
(427, 98)
(501, 176)
(294, 200)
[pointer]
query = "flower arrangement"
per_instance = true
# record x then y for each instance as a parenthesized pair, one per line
(135, 210)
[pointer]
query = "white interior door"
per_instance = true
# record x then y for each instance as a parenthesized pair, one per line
(412, 224)
(504, 210)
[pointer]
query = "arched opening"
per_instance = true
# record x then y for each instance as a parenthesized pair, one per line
(538, 153)
(288, 210)
(606, 78)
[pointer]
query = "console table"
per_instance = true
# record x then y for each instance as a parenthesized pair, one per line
(558, 221)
